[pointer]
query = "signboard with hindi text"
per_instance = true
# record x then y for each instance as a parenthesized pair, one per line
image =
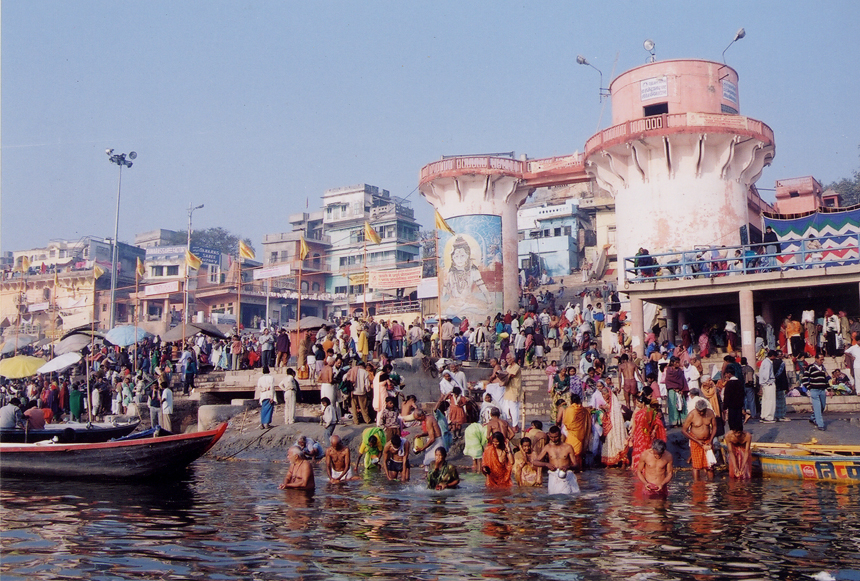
(272, 271)
(400, 278)
(160, 289)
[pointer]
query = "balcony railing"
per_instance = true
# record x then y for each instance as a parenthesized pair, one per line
(711, 262)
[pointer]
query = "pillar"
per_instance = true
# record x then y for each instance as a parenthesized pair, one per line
(747, 324)
(637, 324)
(671, 327)
(479, 265)
(165, 311)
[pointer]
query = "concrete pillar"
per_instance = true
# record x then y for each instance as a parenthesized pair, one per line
(747, 326)
(671, 327)
(637, 324)
(479, 266)
(165, 311)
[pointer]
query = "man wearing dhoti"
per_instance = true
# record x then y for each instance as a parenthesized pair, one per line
(559, 459)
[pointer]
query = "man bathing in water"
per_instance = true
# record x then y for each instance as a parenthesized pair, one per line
(559, 459)
(337, 462)
(395, 459)
(655, 468)
(497, 424)
(700, 427)
(301, 473)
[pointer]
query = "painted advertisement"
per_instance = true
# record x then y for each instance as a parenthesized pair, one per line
(471, 260)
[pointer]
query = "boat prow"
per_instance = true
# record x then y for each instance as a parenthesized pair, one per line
(838, 463)
(155, 457)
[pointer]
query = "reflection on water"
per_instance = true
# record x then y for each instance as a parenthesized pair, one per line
(229, 521)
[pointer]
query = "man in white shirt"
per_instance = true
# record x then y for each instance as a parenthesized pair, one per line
(166, 408)
(854, 351)
(767, 380)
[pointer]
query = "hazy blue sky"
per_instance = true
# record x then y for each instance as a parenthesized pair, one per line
(253, 107)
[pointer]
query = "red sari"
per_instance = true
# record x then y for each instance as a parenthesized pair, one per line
(646, 428)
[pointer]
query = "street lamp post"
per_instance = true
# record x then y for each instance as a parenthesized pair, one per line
(121, 160)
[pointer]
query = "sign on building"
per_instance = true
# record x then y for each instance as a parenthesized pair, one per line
(401, 278)
(653, 88)
(272, 271)
(160, 289)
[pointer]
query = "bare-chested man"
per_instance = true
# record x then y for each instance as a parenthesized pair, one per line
(629, 375)
(700, 427)
(337, 462)
(497, 424)
(301, 473)
(395, 459)
(560, 460)
(526, 473)
(432, 436)
(655, 468)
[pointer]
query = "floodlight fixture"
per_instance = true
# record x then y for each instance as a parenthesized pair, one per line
(603, 91)
(649, 46)
(738, 35)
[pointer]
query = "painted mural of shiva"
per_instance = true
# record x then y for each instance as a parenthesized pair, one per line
(464, 287)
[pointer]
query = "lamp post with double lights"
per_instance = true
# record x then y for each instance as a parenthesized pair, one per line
(121, 160)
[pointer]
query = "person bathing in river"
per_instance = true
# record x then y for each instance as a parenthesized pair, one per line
(559, 459)
(442, 475)
(655, 468)
(301, 473)
(395, 459)
(337, 462)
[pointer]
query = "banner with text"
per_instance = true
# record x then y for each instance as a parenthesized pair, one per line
(401, 278)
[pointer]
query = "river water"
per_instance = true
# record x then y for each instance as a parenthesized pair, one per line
(227, 520)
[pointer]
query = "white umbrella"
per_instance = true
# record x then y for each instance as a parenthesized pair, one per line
(72, 343)
(60, 363)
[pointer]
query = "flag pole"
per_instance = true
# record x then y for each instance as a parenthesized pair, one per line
(239, 297)
(364, 286)
(299, 308)
(438, 282)
(136, 313)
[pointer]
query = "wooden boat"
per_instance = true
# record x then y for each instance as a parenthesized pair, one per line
(83, 433)
(136, 458)
(807, 461)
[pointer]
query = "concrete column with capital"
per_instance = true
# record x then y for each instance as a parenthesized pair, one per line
(479, 265)
(747, 324)
(671, 327)
(637, 326)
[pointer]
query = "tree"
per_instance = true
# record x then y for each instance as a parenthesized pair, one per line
(848, 190)
(218, 238)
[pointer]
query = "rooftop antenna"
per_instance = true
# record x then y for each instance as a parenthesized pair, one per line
(738, 35)
(649, 46)
(603, 91)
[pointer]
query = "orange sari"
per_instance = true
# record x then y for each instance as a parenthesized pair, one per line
(500, 471)
(577, 420)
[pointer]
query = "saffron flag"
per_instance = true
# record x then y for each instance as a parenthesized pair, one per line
(246, 251)
(25, 263)
(441, 224)
(97, 271)
(371, 234)
(192, 260)
(56, 280)
(141, 271)
(303, 249)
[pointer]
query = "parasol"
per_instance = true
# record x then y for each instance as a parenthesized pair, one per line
(60, 363)
(21, 341)
(126, 335)
(20, 366)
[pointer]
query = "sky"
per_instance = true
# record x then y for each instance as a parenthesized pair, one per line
(255, 108)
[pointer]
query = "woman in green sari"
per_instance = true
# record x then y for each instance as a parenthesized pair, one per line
(442, 475)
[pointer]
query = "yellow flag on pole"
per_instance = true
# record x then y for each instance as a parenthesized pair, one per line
(192, 260)
(141, 271)
(371, 234)
(246, 251)
(25, 263)
(441, 224)
(56, 280)
(97, 271)
(303, 249)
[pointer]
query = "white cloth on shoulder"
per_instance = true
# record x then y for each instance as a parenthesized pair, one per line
(565, 484)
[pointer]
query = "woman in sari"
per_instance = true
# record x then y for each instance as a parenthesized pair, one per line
(498, 462)
(645, 428)
(442, 475)
(615, 443)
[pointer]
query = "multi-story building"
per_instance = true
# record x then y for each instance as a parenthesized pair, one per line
(340, 261)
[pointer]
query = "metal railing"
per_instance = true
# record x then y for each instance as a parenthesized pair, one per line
(711, 262)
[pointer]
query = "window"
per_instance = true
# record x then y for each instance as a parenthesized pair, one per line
(655, 109)
(157, 271)
(315, 287)
(340, 290)
(567, 230)
(173, 270)
(273, 257)
(304, 286)
(557, 232)
(214, 271)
